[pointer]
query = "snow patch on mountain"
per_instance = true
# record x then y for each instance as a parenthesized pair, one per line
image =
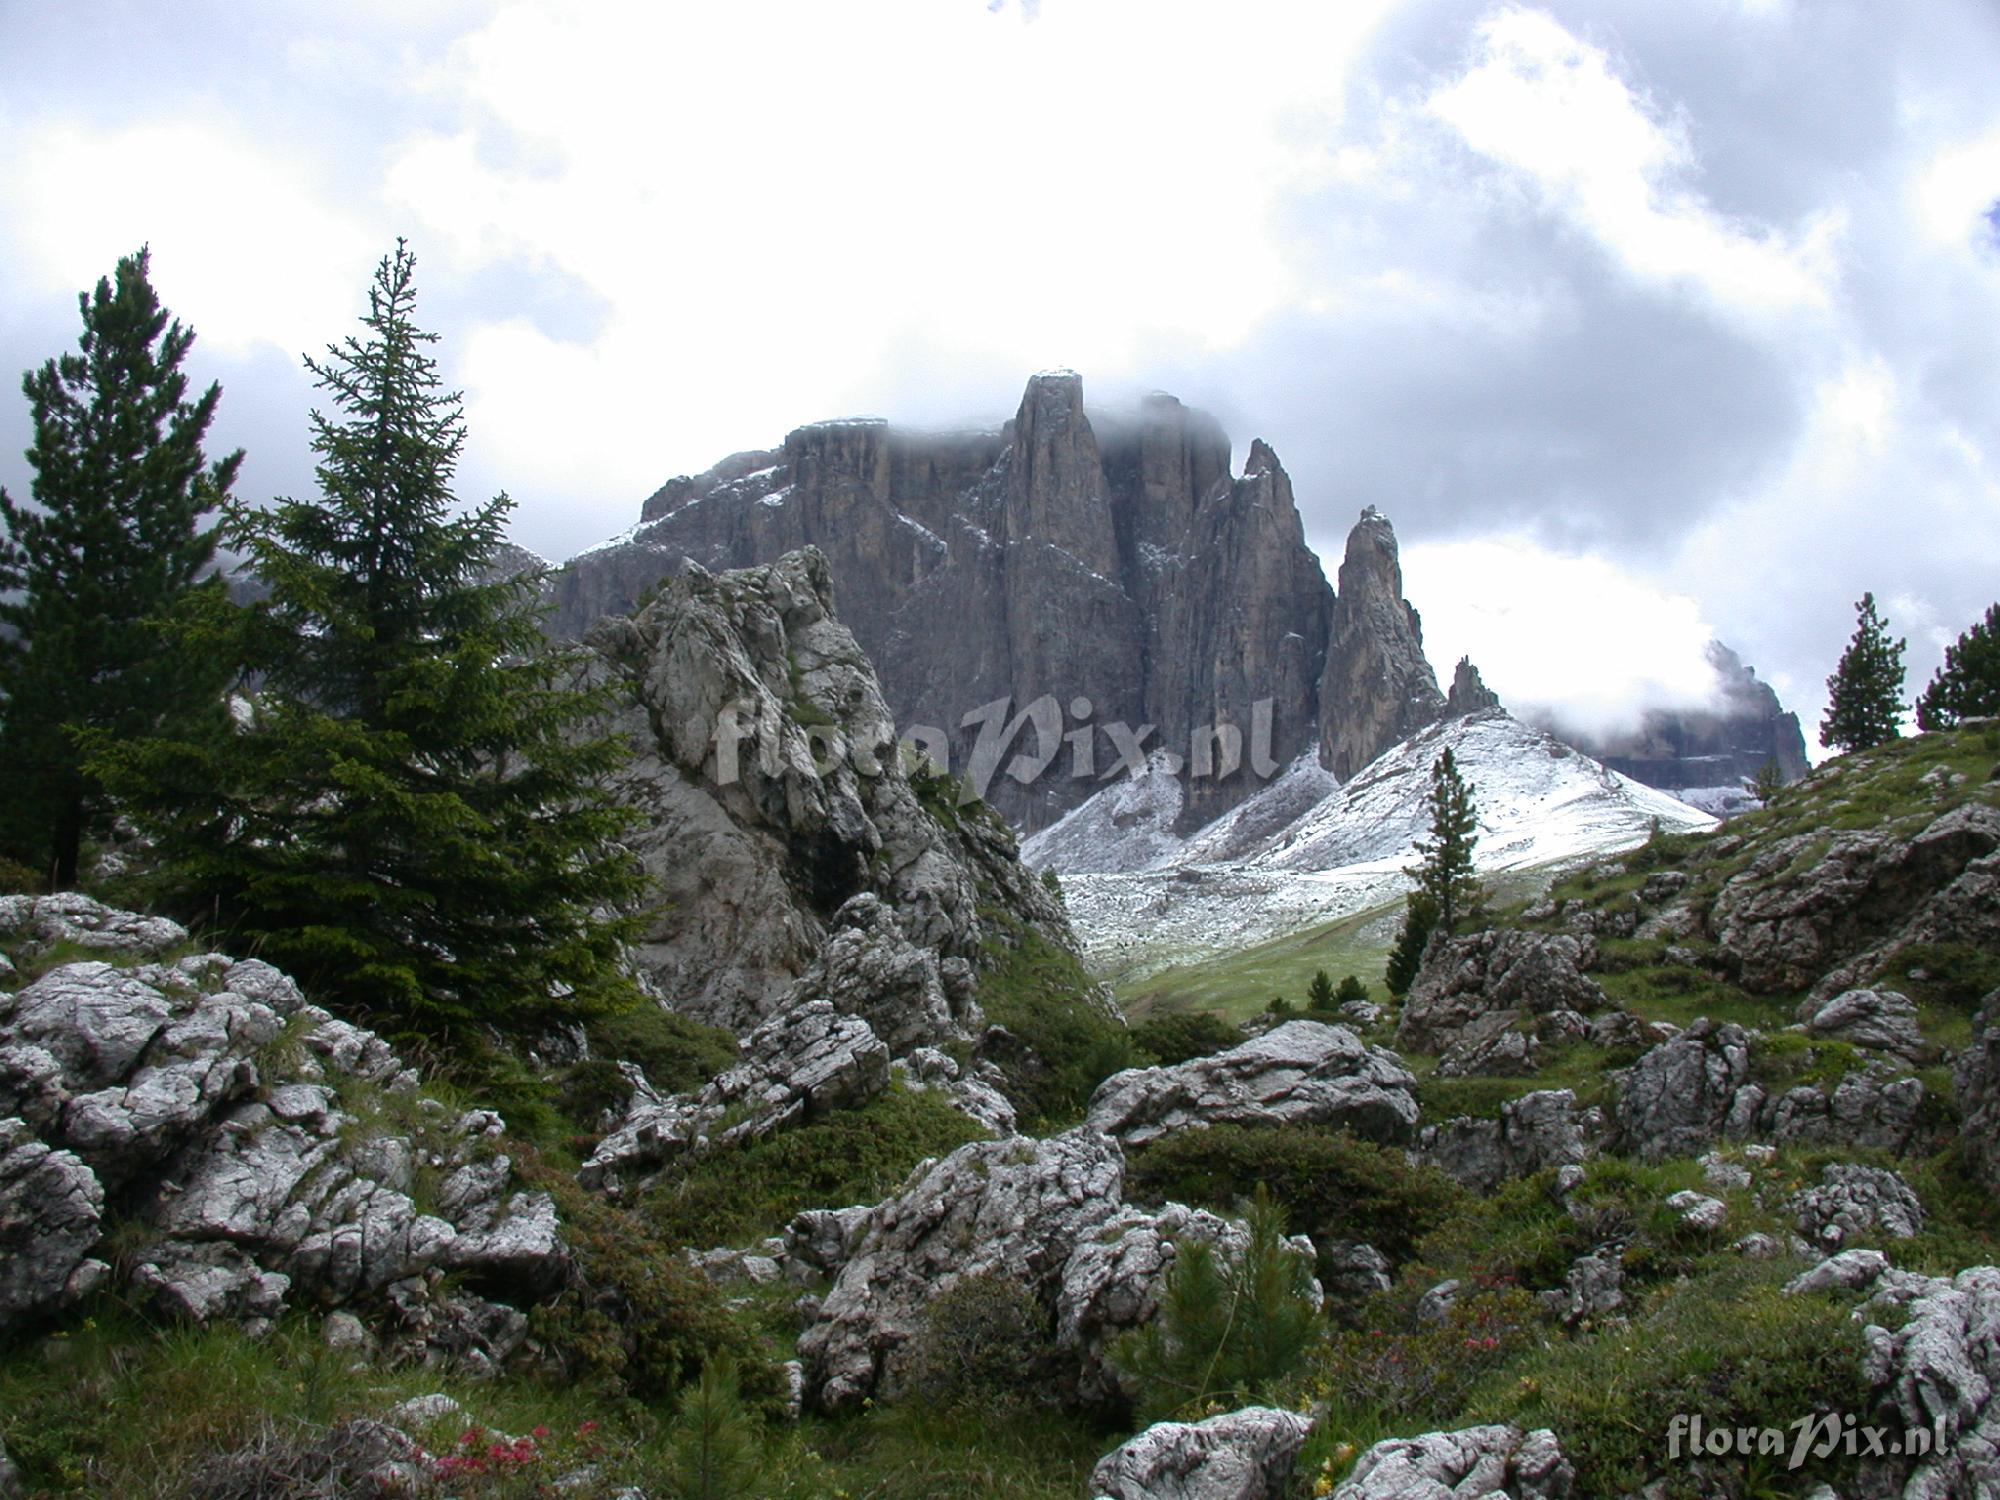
(1308, 849)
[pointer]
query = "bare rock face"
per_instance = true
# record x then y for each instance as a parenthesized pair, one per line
(1881, 1019)
(248, 1136)
(802, 1062)
(1469, 693)
(51, 1205)
(1303, 1072)
(1720, 746)
(1014, 1209)
(1535, 1132)
(1976, 1081)
(1832, 925)
(1471, 984)
(1377, 689)
(1111, 563)
(1494, 1463)
(1240, 1455)
(792, 852)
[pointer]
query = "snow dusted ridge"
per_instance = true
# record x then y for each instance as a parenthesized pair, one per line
(1308, 849)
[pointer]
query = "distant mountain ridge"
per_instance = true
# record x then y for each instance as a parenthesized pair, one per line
(1114, 573)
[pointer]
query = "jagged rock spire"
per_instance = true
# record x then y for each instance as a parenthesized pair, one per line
(1469, 694)
(1377, 689)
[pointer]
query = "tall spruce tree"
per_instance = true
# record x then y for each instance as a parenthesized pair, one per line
(111, 548)
(1967, 686)
(409, 815)
(1447, 888)
(1865, 692)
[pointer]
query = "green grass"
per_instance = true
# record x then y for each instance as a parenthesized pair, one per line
(1039, 993)
(114, 1404)
(1238, 985)
(736, 1195)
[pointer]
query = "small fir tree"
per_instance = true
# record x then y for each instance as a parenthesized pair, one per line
(1351, 990)
(1420, 919)
(1447, 887)
(411, 813)
(1865, 692)
(1767, 783)
(715, 1442)
(1229, 1328)
(1446, 872)
(1319, 993)
(112, 549)
(1967, 686)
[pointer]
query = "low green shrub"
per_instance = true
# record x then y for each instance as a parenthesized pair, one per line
(1183, 1034)
(1229, 1328)
(635, 1319)
(1064, 1045)
(1330, 1184)
(984, 1342)
(1729, 1345)
(736, 1194)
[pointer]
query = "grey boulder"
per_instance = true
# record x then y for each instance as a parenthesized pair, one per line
(1241, 1455)
(1303, 1073)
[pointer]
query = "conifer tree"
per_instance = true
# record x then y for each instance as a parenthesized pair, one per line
(1407, 956)
(1319, 991)
(1967, 686)
(1865, 692)
(1447, 888)
(112, 546)
(1446, 873)
(1229, 1327)
(409, 814)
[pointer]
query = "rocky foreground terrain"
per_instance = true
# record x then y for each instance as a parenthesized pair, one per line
(1706, 1131)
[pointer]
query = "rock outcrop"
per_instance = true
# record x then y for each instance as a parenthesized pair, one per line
(1495, 1463)
(1830, 918)
(1976, 1081)
(1533, 1133)
(1012, 1209)
(1696, 1089)
(793, 855)
(260, 1151)
(802, 1062)
(1301, 1073)
(1476, 990)
(1935, 1372)
(1469, 693)
(1240, 1455)
(1378, 688)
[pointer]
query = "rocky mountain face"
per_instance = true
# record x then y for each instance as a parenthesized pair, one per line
(1378, 689)
(1111, 571)
(1692, 750)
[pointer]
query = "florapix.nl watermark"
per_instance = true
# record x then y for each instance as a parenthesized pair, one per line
(1045, 735)
(1817, 1437)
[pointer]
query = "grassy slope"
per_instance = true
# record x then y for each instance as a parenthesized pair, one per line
(1238, 985)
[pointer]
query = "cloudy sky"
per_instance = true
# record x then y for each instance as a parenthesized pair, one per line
(1643, 322)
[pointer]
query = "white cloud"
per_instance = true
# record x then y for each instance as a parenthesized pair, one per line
(1577, 637)
(774, 228)
(249, 255)
(1553, 110)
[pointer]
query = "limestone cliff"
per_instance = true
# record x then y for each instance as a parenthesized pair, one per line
(784, 835)
(1113, 568)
